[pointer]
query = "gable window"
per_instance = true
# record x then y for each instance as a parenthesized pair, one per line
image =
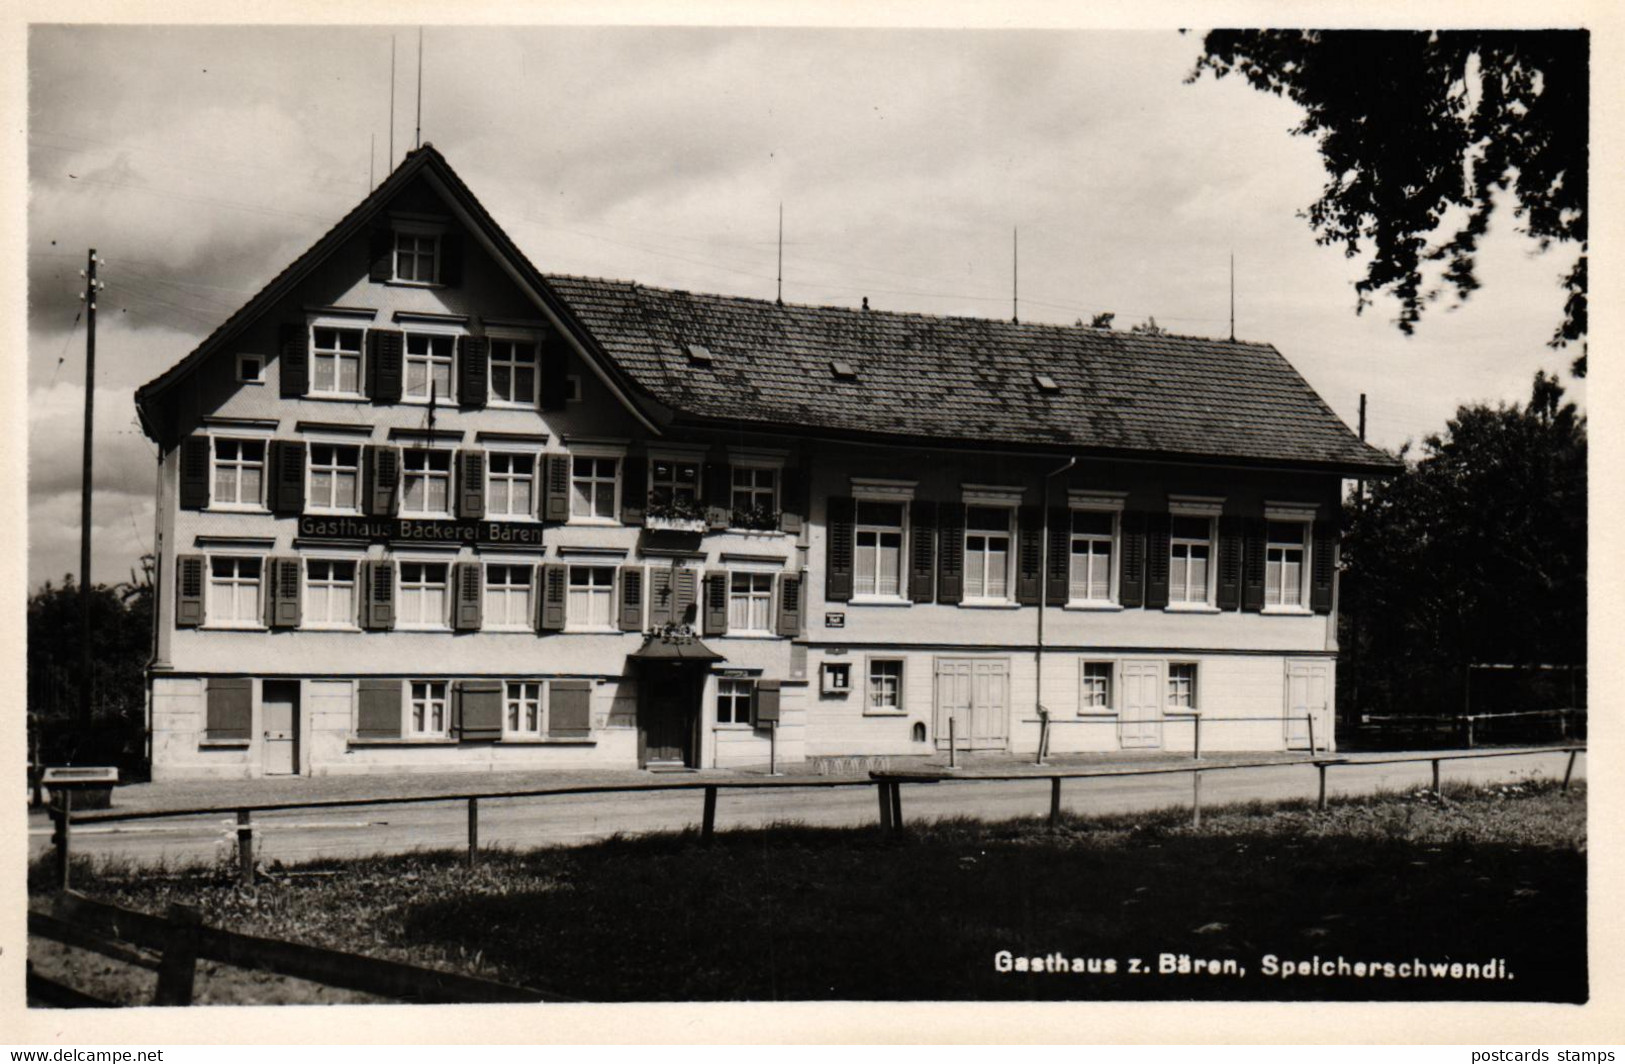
(1182, 686)
(1096, 694)
(1283, 564)
(591, 596)
(733, 701)
(523, 705)
(428, 365)
(334, 472)
(427, 711)
(750, 602)
(674, 486)
(987, 552)
(1093, 538)
(878, 557)
(507, 596)
(335, 361)
(251, 369)
(755, 497)
(239, 474)
(1191, 547)
(510, 485)
(886, 685)
(417, 257)
(329, 593)
(426, 477)
(234, 593)
(513, 372)
(593, 487)
(422, 595)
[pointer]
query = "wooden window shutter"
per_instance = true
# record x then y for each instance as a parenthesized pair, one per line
(285, 592)
(922, 550)
(380, 593)
(553, 597)
(951, 552)
(469, 597)
(229, 710)
(789, 604)
(1058, 588)
(685, 597)
(384, 351)
(382, 479)
(634, 488)
(660, 596)
(473, 362)
(188, 591)
(451, 259)
(718, 495)
(631, 598)
(479, 704)
(557, 505)
(554, 367)
(381, 253)
(1131, 565)
(1323, 574)
(764, 702)
(288, 494)
(1029, 555)
(293, 348)
(716, 603)
(195, 473)
(792, 498)
(569, 709)
(838, 549)
(378, 709)
(1252, 565)
(471, 483)
(1156, 560)
(1228, 596)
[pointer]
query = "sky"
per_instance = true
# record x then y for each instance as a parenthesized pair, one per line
(199, 161)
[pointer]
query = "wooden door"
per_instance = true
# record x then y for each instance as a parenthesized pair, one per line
(1308, 695)
(279, 723)
(1139, 722)
(973, 693)
(954, 702)
(667, 715)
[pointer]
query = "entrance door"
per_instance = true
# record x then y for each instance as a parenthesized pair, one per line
(668, 711)
(1139, 726)
(1308, 696)
(974, 693)
(279, 717)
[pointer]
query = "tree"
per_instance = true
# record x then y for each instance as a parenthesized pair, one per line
(1148, 327)
(1419, 131)
(1475, 554)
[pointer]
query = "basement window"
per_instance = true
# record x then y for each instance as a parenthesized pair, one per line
(1045, 382)
(843, 370)
(699, 353)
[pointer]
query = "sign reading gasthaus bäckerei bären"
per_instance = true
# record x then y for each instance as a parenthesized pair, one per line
(410, 530)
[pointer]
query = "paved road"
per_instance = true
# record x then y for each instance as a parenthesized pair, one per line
(301, 835)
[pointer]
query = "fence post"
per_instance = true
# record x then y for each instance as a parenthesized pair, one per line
(1321, 803)
(1436, 792)
(1568, 773)
(177, 971)
(1469, 733)
(1309, 718)
(62, 813)
(885, 805)
(473, 832)
(708, 819)
(1196, 799)
(245, 849)
(1043, 734)
(953, 741)
(1196, 743)
(896, 806)
(1054, 802)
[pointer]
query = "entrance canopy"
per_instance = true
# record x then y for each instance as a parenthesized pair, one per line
(675, 649)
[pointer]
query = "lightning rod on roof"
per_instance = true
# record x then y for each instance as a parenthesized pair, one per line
(392, 101)
(779, 298)
(1232, 297)
(1015, 276)
(372, 158)
(417, 139)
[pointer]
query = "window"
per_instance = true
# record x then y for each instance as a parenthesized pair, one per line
(1283, 564)
(335, 361)
(239, 473)
(335, 471)
(733, 701)
(427, 478)
(755, 497)
(234, 593)
(507, 596)
(329, 593)
(837, 677)
(592, 591)
(523, 704)
(428, 708)
(886, 685)
(1191, 544)
(510, 485)
(1093, 533)
(593, 483)
(1097, 687)
(878, 537)
(417, 257)
(987, 552)
(251, 369)
(750, 602)
(513, 372)
(423, 595)
(428, 365)
(674, 485)
(1182, 686)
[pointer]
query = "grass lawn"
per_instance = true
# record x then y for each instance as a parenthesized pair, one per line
(790, 913)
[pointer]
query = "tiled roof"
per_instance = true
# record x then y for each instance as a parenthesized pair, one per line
(963, 379)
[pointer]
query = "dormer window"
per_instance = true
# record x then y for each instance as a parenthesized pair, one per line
(843, 370)
(417, 257)
(699, 353)
(1045, 383)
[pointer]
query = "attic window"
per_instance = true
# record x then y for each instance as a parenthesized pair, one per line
(843, 370)
(699, 353)
(1045, 382)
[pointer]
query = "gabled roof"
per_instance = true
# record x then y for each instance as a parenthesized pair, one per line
(968, 380)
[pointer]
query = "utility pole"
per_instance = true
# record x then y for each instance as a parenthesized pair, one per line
(89, 296)
(1359, 485)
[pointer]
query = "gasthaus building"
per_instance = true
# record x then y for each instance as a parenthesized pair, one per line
(422, 507)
